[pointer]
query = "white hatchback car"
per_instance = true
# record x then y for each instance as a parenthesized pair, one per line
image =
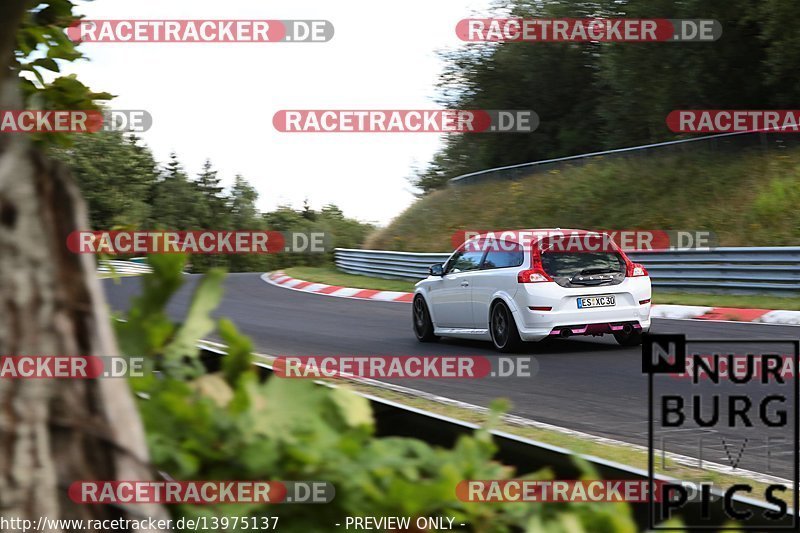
(529, 285)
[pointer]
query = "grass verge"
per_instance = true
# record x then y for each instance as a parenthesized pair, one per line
(109, 275)
(727, 300)
(331, 276)
(747, 198)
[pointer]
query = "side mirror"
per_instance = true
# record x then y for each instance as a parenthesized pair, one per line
(436, 270)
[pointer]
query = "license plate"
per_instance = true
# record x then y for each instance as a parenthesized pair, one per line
(596, 301)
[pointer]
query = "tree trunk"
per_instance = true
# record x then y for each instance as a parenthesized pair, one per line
(54, 432)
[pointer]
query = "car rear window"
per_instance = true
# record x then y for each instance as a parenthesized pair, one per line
(561, 264)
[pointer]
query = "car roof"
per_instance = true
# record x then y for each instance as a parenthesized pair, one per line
(515, 235)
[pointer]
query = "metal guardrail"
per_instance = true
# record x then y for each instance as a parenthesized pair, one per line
(122, 267)
(768, 270)
(377, 263)
(718, 142)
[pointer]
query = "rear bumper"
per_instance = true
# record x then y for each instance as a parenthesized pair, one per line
(595, 329)
(538, 333)
(534, 325)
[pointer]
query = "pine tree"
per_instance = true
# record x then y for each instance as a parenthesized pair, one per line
(213, 210)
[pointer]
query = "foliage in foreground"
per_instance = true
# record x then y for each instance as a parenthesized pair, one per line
(228, 426)
(41, 43)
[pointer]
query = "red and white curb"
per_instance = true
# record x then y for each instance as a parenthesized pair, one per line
(679, 312)
(725, 314)
(281, 279)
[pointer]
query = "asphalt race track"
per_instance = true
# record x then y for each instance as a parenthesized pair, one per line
(590, 385)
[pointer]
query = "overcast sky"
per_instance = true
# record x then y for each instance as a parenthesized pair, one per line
(216, 100)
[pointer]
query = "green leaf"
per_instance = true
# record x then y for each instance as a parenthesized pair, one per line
(214, 387)
(47, 63)
(198, 321)
(238, 359)
(148, 328)
(354, 409)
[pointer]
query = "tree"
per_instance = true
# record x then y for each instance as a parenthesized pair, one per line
(177, 202)
(244, 215)
(342, 232)
(308, 213)
(53, 431)
(115, 174)
(556, 80)
(596, 96)
(214, 213)
(332, 212)
(242, 204)
(284, 218)
(642, 83)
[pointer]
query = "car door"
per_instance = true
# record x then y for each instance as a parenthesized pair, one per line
(451, 297)
(498, 272)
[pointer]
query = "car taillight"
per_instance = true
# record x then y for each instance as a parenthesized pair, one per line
(533, 275)
(636, 269)
(536, 273)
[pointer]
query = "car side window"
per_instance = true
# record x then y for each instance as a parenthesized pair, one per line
(502, 254)
(464, 261)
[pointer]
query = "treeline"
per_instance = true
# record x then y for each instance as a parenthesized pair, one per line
(126, 188)
(595, 96)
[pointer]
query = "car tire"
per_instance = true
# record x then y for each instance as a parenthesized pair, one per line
(634, 338)
(421, 318)
(503, 328)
